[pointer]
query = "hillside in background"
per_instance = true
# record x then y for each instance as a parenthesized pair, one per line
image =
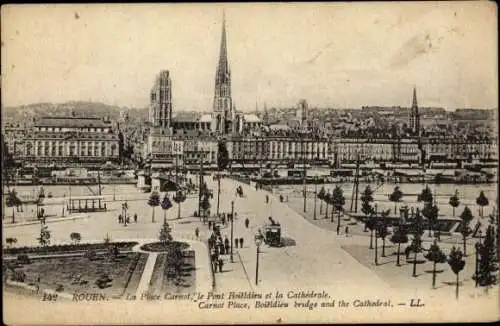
(80, 108)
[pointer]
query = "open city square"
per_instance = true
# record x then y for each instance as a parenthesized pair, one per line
(336, 213)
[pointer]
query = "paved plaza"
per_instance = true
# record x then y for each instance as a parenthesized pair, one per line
(312, 258)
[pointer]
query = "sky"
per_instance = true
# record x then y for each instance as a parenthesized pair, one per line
(332, 55)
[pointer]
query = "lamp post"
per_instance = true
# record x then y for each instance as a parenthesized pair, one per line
(258, 242)
(304, 172)
(124, 209)
(478, 248)
(232, 219)
(315, 196)
(217, 176)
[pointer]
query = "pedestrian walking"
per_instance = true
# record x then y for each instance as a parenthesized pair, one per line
(347, 231)
(221, 263)
(267, 199)
(247, 222)
(135, 218)
(209, 225)
(120, 218)
(241, 242)
(236, 243)
(37, 284)
(197, 232)
(226, 245)
(281, 198)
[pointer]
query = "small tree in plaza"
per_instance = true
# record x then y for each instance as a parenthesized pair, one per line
(457, 264)
(13, 200)
(482, 201)
(436, 256)
(431, 213)
(321, 197)
(154, 201)
(327, 199)
(166, 204)
(425, 196)
(165, 233)
(338, 202)
(371, 224)
(205, 206)
(417, 230)
(75, 237)
(454, 201)
(465, 230)
(396, 197)
(382, 229)
(366, 199)
(399, 236)
(179, 198)
(487, 265)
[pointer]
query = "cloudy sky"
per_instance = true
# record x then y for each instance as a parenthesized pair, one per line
(336, 55)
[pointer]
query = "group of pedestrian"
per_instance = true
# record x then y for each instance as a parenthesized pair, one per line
(217, 247)
(239, 191)
(126, 219)
(238, 241)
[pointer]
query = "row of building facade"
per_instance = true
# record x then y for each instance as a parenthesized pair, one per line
(93, 141)
(189, 150)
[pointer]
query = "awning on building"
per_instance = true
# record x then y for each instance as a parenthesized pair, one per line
(409, 172)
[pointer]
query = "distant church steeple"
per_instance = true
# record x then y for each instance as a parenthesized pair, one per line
(222, 113)
(414, 114)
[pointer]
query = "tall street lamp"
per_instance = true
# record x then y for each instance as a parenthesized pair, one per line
(258, 242)
(478, 249)
(304, 172)
(315, 196)
(232, 219)
(218, 176)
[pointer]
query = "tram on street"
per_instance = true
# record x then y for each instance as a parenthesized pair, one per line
(272, 233)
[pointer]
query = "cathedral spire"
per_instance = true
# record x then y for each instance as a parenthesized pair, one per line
(414, 115)
(414, 104)
(223, 67)
(222, 114)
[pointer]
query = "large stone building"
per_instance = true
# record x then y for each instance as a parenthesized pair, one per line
(160, 108)
(63, 140)
(14, 134)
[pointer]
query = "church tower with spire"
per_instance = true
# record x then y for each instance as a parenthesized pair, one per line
(414, 114)
(222, 112)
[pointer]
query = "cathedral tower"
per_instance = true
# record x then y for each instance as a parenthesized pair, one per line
(222, 113)
(160, 109)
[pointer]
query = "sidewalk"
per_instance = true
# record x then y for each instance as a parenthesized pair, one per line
(143, 286)
(48, 220)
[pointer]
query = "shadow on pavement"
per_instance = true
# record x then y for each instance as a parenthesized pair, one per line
(287, 242)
